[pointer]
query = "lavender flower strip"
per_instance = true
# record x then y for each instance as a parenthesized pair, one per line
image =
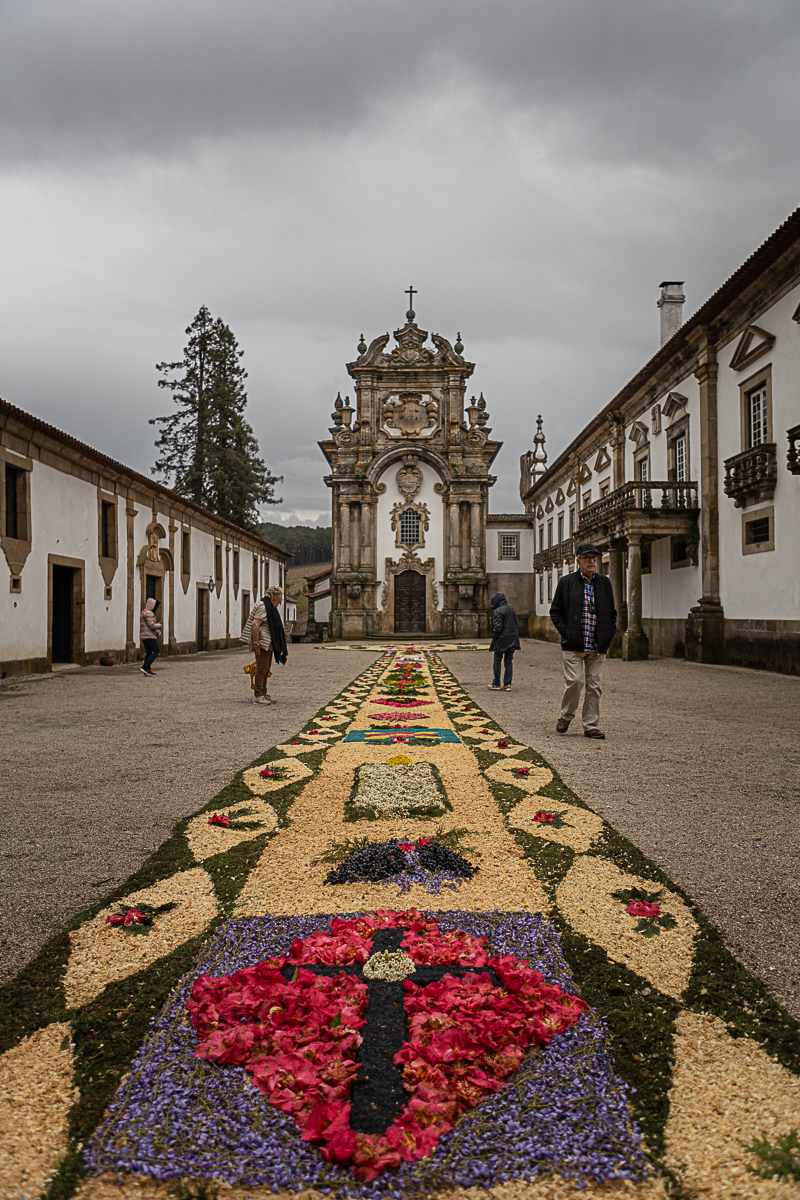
(564, 1112)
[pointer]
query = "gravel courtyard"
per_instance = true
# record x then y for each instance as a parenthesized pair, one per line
(98, 764)
(700, 769)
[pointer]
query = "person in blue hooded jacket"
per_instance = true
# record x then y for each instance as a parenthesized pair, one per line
(505, 640)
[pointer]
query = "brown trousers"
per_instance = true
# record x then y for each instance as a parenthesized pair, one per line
(263, 664)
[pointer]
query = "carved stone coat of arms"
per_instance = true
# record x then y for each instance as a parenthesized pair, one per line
(409, 414)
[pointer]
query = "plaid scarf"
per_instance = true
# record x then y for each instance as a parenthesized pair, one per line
(589, 615)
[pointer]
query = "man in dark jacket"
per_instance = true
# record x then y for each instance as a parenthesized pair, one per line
(505, 640)
(584, 614)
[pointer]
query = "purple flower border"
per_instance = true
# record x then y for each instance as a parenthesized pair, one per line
(564, 1112)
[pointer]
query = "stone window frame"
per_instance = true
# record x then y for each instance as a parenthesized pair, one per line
(186, 557)
(236, 572)
(16, 549)
(541, 588)
(219, 568)
(560, 528)
(550, 534)
(586, 499)
(572, 521)
(513, 539)
(541, 538)
(758, 514)
(398, 512)
(107, 502)
(550, 587)
(762, 378)
(642, 455)
(680, 429)
(604, 487)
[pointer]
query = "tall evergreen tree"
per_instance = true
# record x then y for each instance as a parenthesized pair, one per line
(207, 451)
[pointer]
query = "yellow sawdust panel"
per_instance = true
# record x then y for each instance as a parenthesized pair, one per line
(725, 1091)
(586, 901)
(296, 747)
(284, 881)
(579, 831)
(504, 771)
(206, 840)
(291, 771)
(36, 1094)
(102, 954)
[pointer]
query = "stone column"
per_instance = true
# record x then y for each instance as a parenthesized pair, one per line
(475, 534)
(173, 645)
(617, 440)
(455, 534)
(228, 561)
(130, 644)
(344, 535)
(355, 538)
(634, 641)
(335, 545)
(367, 556)
(615, 578)
(705, 624)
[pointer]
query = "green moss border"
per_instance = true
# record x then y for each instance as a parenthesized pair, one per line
(107, 1032)
(641, 1019)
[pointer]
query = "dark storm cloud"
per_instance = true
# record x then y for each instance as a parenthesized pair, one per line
(615, 78)
(534, 168)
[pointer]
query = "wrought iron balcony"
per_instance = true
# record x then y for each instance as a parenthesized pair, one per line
(793, 462)
(650, 497)
(750, 477)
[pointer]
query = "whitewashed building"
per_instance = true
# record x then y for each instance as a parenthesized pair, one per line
(688, 481)
(86, 541)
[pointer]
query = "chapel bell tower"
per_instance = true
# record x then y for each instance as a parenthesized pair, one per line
(410, 482)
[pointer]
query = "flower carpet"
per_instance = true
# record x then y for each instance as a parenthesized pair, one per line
(395, 959)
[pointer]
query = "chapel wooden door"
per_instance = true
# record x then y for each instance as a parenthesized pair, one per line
(409, 602)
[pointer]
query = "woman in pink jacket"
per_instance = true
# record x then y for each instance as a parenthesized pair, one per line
(147, 632)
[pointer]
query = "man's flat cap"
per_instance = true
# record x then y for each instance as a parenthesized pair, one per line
(586, 548)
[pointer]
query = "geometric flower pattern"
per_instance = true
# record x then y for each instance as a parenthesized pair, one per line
(743, 1083)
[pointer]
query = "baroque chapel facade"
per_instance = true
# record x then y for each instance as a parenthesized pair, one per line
(410, 486)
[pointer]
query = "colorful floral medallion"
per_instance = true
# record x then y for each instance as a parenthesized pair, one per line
(394, 1053)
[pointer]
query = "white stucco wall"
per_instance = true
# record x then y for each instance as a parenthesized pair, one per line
(669, 591)
(64, 522)
(690, 388)
(512, 566)
(763, 585)
(434, 538)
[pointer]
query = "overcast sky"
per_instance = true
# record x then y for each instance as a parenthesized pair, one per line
(534, 168)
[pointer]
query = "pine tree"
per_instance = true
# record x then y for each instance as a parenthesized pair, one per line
(207, 451)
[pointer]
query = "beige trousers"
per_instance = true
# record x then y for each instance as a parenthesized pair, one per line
(577, 664)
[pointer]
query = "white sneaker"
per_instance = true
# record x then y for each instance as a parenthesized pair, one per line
(261, 700)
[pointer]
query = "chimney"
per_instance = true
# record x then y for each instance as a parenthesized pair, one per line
(671, 305)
